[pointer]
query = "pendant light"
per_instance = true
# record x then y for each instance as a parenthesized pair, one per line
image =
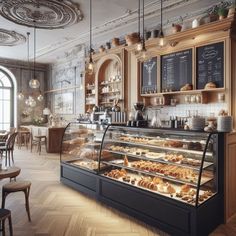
(34, 83)
(40, 97)
(90, 66)
(21, 96)
(139, 44)
(161, 39)
(144, 54)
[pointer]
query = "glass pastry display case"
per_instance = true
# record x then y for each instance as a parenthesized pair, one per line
(178, 165)
(81, 146)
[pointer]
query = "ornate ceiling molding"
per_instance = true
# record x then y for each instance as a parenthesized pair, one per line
(11, 38)
(43, 14)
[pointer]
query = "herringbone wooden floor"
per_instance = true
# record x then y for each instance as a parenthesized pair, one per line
(58, 210)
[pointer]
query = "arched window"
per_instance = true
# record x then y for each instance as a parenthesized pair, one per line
(6, 101)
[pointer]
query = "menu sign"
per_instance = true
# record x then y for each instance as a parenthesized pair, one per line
(176, 70)
(149, 76)
(210, 65)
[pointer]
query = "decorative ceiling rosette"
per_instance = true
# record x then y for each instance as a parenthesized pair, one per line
(43, 14)
(10, 38)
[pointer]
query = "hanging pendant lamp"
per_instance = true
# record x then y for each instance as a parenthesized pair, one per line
(20, 95)
(162, 41)
(34, 83)
(139, 44)
(40, 97)
(90, 66)
(144, 55)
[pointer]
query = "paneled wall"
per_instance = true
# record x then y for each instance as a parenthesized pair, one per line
(21, 72)
(66, 86)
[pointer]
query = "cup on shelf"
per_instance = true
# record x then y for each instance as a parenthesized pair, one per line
(221, 97)
(173, 101)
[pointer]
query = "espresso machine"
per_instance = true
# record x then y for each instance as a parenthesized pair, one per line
(139, 120)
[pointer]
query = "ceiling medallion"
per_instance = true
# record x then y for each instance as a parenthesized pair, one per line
(43, 14)
(10, 38)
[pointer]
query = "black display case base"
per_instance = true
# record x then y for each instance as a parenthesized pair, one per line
(83, 181)
(168, 215)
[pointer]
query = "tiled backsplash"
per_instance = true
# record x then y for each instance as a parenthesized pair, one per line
(183, 110)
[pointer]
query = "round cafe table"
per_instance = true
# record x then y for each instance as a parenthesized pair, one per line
(9, 172)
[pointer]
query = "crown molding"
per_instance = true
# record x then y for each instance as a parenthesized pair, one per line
(127, 21)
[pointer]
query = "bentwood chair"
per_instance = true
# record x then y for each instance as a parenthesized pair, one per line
(8, 148)
(6, 214)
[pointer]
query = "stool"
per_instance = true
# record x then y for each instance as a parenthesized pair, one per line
(6, 214)
(39, 140)
(17, 186)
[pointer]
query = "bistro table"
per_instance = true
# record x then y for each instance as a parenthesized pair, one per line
(9, 172)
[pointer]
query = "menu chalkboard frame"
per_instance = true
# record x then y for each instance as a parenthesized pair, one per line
(192, 65)
(224, 61)
(157, 59)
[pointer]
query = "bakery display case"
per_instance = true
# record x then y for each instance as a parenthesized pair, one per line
(166, 176)
(178, 166)
(80, 151)
(81, 145)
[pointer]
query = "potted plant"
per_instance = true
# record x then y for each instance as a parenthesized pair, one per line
(222, 12)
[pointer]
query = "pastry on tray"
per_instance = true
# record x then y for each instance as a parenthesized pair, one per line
(210, 85)
(186, 87)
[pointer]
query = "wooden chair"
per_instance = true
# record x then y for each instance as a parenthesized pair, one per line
(17, 186)
(38, 139)
(8, 148)
(23, 138)
(6, 214)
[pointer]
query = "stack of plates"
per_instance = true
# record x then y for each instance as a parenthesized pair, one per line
(197, 123)
(224, 123)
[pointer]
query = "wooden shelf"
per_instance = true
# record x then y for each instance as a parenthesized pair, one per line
(113, 82)
(196, 91)
(111, 92)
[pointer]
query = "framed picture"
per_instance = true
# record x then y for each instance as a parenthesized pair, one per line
(64, 103)
(149, 76)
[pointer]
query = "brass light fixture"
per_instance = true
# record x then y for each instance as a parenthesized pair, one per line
(162, 41)
(34, 83)
(90, 66)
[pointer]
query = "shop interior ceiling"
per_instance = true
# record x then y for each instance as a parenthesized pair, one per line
(111, 18)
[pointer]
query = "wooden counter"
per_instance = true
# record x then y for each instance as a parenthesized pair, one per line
(54, 136)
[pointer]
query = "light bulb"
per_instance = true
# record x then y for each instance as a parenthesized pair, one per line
(32, 103)
(144, 55)
(27, 102)
(90, 68)
(139, 47)
(162, 41)
(34, 84)
(21, 96)
(40, 97)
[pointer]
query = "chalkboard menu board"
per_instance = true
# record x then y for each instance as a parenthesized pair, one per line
(176, 70)
(149, 76)
(210, 65)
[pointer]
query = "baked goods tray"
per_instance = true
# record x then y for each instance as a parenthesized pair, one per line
(159, 147)
(172, 196)
(77, 163)
(161, 160)
(204, 179)
(159, 138)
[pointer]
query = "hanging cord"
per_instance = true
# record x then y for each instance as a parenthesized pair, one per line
(28, 35)
(34, 48)
(143, 28)
(161, 18)
(90, 39)
(139, 18)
